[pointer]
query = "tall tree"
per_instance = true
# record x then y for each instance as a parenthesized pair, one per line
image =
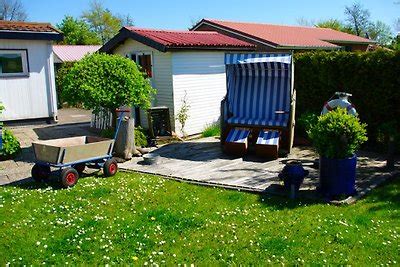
(397, 25)
(358, 18)
(126, 20)
(334, 24)
(12, 10)
(305, 22)
(77, 32)
(102, 21)
(380, 32)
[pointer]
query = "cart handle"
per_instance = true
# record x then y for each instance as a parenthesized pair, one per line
(119, 120)
(122, 110)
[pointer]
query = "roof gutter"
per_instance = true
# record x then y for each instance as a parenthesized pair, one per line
(27, 35)
(309, 47)
(350, 42)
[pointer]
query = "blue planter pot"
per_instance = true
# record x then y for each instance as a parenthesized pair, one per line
(337, 176)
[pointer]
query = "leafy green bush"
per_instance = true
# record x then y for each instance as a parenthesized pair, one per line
(337, 134)
(373, 79)
(140, 135)
(106, 81)
(11, 145)
(61, 72)
(213, 129)
(305, 122)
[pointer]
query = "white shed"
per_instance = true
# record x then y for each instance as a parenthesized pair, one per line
(27, 84)
(180, 64)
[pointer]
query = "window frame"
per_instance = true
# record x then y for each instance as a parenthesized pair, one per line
(142, 53)
(25, 62)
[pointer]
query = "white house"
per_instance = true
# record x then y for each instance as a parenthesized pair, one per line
(181, 64)
(27, 85)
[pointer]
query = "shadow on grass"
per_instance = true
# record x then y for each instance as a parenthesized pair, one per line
(53, 181)
(285, 202)
(386, 197)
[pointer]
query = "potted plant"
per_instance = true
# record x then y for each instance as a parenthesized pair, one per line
(337, 136)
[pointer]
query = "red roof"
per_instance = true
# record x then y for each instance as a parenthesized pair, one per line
(70, 53)
(190, 39)
(21, 26)
(288, 36)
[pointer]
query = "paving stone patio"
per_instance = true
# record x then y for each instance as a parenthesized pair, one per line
(202, 161)
(72, 122)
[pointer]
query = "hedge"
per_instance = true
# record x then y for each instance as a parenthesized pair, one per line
(373, 78)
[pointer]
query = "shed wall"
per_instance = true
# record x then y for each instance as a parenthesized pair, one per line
(162, 74)
(32, 96)
(200, 75)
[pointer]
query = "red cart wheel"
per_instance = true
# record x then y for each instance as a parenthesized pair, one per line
(40, 172)
(110, 167)
(69, 177)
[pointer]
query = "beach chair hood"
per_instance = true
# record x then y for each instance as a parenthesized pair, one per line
(259, 88)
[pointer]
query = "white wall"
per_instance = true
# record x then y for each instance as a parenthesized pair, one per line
(162, 74)
(33, 96)
(201, 75)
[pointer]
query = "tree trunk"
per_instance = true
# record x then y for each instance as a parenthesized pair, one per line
(390, 154)
(125, 143)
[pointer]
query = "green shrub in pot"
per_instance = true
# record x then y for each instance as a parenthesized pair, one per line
(338, 135)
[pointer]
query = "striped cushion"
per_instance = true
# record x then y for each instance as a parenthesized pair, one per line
(281, 122)
(257, 91)
(268, 138)
(237, 136)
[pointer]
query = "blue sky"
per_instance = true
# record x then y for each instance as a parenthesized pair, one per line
(180, 13)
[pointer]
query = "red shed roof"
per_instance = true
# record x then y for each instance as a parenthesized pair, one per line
(71, 53)
(287, 36)
(164, 40)
(174, 39)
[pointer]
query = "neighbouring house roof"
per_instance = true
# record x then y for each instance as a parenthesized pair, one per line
(29, 31)
(283, 36)
(71, 53)
(165, 40)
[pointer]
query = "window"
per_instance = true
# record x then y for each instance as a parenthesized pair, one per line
(144, 61)
(13, 63)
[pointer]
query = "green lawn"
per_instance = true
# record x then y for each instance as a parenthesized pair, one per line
(145, 219)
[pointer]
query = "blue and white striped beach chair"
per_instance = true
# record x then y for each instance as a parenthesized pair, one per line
(267, 144)
(237, 141)
(260, 92)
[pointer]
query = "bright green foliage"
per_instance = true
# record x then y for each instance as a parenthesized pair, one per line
(380, 32)
(334, 24)
(373, 79)
(106, 81)
(134, 219)
(338, 134)
(77, 32)
(101, 21)
(11, 145)
(140, 137)
(305, 122)
(213, 129)
(60, 76)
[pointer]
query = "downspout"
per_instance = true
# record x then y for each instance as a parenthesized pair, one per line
(50, 74)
